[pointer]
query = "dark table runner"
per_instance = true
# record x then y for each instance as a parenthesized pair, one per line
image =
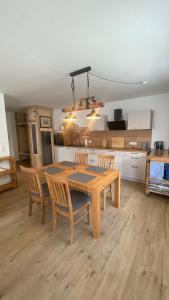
(96, 169)
(53, 170)
(69, 163)
(80, 177)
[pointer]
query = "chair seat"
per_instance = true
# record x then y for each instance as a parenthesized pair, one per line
(78, 199)
(45, 191)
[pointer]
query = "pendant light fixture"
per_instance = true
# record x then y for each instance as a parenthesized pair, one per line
(92, 115)
(70, 117)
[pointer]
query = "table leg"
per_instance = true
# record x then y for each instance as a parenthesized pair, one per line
(96, 213)
(117, 191)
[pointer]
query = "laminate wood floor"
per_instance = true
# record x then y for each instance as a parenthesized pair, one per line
(129, 262)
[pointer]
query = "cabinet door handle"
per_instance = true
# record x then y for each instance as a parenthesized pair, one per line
(134, 167)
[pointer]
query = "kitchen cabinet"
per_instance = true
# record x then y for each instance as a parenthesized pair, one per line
(98, 124)
(92, 156)
(135, 166)
(40, 134)
(60, 153)
(140, 119)
(134, 173)
(69, 154)
(132, 165)
(119, 161)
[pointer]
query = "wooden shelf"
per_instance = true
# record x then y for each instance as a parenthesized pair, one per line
(159, 155)
(8, 172)
(153, 185)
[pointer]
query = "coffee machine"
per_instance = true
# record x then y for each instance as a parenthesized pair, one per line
(159, 145)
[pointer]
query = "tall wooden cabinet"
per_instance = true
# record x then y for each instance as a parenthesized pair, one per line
(22, 136)
(40, 131)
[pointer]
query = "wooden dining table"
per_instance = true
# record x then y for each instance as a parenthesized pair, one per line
(98, 182)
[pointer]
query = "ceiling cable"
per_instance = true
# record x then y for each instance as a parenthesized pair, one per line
(88, 85)
(73, 90)
(120, 82)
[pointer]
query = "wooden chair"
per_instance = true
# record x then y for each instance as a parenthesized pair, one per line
(106, 161)
(38, 192)
(81, 158)
(71, 204)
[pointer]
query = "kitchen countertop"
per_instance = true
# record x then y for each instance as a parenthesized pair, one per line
(159, 155)
(101, 148)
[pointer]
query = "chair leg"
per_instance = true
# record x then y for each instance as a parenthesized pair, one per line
(54, 220)
(30, 206)
(112, 194)
(110, 191)
(104, 200)
(42, 211)
(71, 230)
(88, 215)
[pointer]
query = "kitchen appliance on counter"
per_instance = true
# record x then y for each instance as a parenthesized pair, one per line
(145, 146)
(159, 145)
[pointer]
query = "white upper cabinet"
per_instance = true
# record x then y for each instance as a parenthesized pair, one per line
(140, 119)
(98, 124)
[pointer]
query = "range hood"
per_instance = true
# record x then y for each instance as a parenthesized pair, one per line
(117, 125)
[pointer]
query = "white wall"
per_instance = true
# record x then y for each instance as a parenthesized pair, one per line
(12, 136)
(4, 145)
(158, 103)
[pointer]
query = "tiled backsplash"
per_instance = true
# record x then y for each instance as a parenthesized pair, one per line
(98, 138)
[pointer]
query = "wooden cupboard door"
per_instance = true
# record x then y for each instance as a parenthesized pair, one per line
(34, 142)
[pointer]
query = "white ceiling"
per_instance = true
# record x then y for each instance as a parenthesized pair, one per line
(42, 41)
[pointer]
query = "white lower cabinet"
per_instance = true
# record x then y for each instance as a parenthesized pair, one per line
(92, 156)
(135, 166)
(60, 153)
(70, 154)
(135, 173)
(119, 166)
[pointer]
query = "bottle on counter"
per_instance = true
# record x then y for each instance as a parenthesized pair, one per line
(104, 142)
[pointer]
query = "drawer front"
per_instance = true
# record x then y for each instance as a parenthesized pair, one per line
(79, 150)
(119, 153)
(141, 161)
(134, 172)
(135, 159)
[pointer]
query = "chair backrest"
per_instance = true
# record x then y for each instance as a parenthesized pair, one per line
(59, 191)
(105, 161)
(81, 158)
(32, 180)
